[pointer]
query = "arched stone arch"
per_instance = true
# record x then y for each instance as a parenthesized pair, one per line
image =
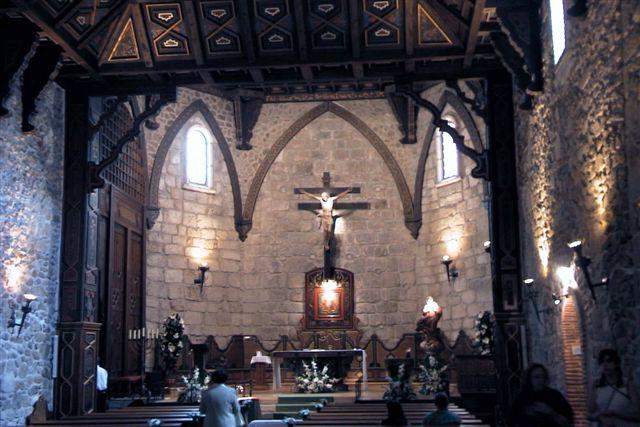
(293, 130)
(197, 106)
(461, 112)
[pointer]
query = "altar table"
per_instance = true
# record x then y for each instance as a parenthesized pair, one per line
(346, 356)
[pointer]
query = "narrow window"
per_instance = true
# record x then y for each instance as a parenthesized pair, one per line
(198, 158)
(557, 28)
(448, 155)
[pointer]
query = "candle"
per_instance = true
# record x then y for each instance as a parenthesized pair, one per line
(144, 332)
(130, 333)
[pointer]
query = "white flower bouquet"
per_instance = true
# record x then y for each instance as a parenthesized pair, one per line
(314, 380)
(171, 340)
(484, 333)
(400, 389)
(194, 385)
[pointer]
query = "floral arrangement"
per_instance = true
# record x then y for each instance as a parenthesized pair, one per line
(484, 333)
(289, 421)
(194, 385)
(171, 340)
(433, 375)
(400, 389)
(313, 380)
(304, 413)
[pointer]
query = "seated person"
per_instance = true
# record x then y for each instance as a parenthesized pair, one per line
(442, 416)
(538, 404)
(220, 404)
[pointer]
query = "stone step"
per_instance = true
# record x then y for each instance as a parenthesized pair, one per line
(305, 397)
(295, 407)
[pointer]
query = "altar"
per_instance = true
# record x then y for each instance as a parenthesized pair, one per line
(341, 360)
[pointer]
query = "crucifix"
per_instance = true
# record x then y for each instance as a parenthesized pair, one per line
(327, 210)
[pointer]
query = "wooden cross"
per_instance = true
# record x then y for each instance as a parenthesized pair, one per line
(316, 207)
(326, 187)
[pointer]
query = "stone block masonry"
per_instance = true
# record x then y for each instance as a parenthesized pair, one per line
(30, 220)
(256, 286)
(576, 154)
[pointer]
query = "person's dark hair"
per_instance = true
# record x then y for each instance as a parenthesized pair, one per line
(611, 354)
(526, 385)
(442, 401)
(219, 376)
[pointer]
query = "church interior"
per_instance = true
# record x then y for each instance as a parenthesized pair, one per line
(435, 194)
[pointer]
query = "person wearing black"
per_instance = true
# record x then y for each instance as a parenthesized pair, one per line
(538, 404)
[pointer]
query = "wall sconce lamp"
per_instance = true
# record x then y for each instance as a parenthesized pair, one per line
(26, 309)
(452, 273)
(200, 280)
(578, 9)
(487, 246)
(557, 299)
(583, 263)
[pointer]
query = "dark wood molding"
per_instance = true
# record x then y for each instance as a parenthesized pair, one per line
(474, 28)
(246, 111)
(279, 145)
(462, 114)
(35, 77)
(170, 134)
(18, 37)
(505, 242)
(151, 109)
(406, 113)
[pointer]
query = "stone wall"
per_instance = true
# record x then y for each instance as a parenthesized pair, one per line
(30, 207)
(576, 154)
(256, 286)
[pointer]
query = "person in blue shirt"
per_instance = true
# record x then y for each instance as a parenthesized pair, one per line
(442, 416)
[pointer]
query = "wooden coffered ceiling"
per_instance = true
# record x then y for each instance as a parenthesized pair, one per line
(275, 46)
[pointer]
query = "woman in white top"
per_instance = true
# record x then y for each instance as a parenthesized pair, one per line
(612, 403)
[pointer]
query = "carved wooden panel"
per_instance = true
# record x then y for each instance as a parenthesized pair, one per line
(116, 325)
(128, 173)
(167, 30)
(329, 309)
(220, 27)
(273, 25)
(134, 303)
(382, 21)
(328, 21)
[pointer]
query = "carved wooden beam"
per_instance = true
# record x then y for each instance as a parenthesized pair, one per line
(472, 38)
(406, 113)
(152, 108)
(480, 158)
(71, 49)
(36, 76)
(246, 110)
(106, 115)
(478, 105)
(17, 37)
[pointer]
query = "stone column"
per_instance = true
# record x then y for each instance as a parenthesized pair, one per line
(505, 242)
(75, 389)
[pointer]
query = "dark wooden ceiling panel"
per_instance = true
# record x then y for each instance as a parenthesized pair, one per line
(261, 44)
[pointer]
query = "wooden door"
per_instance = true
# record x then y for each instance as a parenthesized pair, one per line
(125, 290)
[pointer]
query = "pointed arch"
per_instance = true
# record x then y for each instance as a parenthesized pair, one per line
(461, 112)
(197, 106)
(326, 107)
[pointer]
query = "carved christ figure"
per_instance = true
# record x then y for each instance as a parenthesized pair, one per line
(326, 213)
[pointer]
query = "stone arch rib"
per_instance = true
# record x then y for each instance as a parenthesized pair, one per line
(289, 134)
(447, 98)
(197, 106)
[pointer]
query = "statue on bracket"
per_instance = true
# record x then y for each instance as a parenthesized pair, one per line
(428, 325)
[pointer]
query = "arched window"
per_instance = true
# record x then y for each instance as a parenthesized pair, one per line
(447, 155)
(557, 28)
(198, 158)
